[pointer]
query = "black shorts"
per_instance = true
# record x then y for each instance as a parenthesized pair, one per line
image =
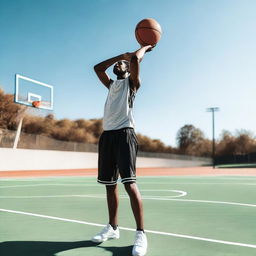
(117, 155)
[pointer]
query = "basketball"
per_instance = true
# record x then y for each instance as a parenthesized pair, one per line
(36, 104)
(148, 32)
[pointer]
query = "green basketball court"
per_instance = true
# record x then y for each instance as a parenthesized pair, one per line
(184, 216)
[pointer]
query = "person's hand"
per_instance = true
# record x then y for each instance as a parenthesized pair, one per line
(149, 48)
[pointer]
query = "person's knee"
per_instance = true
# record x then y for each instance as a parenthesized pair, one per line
(111, 189)
(130, 187)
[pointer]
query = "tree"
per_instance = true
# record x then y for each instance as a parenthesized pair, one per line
(226, 144)
(243, 143)
(188, 135)
(9, 111)
(147, 144)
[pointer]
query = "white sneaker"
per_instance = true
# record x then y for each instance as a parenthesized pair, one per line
(140, 244)
(105, 234)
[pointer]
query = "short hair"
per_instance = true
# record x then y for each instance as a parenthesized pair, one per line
(127, 63)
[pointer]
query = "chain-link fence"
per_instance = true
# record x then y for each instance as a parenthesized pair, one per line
(33, 141)
(7, 138)
(173, 156)
(236, 159)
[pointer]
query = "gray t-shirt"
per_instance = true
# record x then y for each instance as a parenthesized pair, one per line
(118, 106)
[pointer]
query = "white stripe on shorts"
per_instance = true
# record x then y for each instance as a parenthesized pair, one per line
(108, 183)
(125, 180)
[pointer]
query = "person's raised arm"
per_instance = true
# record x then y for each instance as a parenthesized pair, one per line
(136, 58)
(101, 68)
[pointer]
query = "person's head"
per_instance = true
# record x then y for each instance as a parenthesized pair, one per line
(121, 68)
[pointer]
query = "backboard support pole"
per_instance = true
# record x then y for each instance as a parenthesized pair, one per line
(17, 137)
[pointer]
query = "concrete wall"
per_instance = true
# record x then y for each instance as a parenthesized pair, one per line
(27, 159)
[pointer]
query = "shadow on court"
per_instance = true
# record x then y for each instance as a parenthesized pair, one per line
(36, 248)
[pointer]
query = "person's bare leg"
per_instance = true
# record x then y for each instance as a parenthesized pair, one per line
(136, 204)
(112, 200)
(109, 232)
(140, 243)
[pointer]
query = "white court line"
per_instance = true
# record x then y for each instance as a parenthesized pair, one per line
(203, 183)
(212, 176)
(195, 183)
(92, 178)
(50, 184)
(144, 183)
(172, 178)
(52, 196)
(73, 179)
(207, 201)
(86, 196)
(181, 193)
(130, 229)
(160, 198)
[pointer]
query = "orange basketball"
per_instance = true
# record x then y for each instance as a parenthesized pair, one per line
(36, 104)
(148, 32)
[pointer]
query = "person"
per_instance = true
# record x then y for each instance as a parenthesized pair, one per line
(118, 143)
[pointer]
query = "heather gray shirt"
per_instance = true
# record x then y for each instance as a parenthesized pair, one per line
(118, 106)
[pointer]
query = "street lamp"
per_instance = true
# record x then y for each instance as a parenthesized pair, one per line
(213, 109)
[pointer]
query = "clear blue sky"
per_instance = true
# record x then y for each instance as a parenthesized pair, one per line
(206, 57)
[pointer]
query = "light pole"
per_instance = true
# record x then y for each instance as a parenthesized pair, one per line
(213, 109)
